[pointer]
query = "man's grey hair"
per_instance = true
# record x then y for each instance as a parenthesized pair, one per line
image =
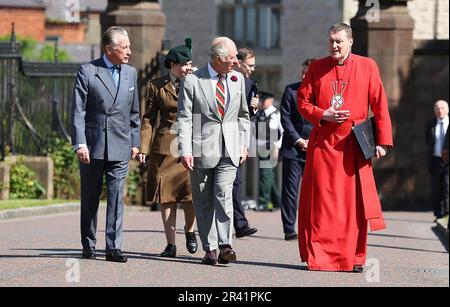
(342, 26)
(220, 47)
(110, 36)
(441, 103)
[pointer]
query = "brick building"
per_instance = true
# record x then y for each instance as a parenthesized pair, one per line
(49, 21)
(28, 16)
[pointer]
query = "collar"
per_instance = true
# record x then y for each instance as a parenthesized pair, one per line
(212, 72)
(444, 120)
(270, 110)
(108, 62)
(345, 61)
(173, 78)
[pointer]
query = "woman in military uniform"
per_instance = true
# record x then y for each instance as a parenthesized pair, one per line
(168, 182)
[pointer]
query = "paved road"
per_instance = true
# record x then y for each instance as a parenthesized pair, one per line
(40, 251)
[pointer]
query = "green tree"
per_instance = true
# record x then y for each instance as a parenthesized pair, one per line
(30, 51)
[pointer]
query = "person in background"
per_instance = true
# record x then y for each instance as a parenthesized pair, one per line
(293, 152)
(435, 140)
(168, 181)
(246, 66)
(269, 134)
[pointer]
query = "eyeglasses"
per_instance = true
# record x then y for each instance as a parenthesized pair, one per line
(250, 65)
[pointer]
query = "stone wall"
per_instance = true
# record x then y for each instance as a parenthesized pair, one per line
(430, 16)
(427, 83)
(196, 18)
(304, 27)
(4, 180)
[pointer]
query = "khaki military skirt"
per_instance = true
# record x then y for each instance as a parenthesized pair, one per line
(167, 180)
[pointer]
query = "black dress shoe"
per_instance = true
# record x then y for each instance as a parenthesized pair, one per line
(226, 255)
(170, 251)
(88, 254)
(290, 236)
(245, 232)
(116, 256)
(191, 242)
(210, 258)
(358, 269)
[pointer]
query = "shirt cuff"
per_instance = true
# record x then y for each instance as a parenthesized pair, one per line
(78, 146)
(298, 141)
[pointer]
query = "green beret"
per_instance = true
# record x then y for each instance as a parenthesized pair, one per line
(179, 54)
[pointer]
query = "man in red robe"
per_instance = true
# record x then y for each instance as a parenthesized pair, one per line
(338, 195)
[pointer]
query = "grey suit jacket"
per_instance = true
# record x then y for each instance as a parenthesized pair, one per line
(201, 130)
(105, 119)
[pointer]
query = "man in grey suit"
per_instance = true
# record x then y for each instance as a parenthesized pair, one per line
(213, 137)
(106, 134)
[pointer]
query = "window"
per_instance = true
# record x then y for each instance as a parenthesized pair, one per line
(251, 23)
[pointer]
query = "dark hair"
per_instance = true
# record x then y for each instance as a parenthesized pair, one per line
(342, 26)
(245, 53)
(308, 62)
(167, 63)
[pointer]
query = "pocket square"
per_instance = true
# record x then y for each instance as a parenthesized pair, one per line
(131, 88)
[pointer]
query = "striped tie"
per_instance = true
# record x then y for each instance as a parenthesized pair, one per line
(220, 95)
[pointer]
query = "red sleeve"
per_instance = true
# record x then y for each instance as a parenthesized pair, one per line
(306, 100)
(379, 105)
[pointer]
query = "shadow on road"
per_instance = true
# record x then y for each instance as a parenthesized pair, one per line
(399, 236)
(76, 253)
(408, 249)
(441, 237)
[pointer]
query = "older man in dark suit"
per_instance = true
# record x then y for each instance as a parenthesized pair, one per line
(435, 138)
(106, 134)
(293, 153)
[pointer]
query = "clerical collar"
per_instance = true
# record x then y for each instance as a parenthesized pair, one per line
(344, 61)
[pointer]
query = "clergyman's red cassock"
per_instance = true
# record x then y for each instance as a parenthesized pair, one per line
(338, 194)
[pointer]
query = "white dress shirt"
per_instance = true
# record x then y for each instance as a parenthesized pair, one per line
(439, 137)
(274, 124)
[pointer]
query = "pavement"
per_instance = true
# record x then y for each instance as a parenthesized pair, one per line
(45, 251)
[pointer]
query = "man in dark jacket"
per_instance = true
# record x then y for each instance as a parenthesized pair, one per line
(293, 153)
(246, 66)
(435, 139)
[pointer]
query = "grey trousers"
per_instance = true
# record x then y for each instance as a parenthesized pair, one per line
(91, 189)
(212, 192)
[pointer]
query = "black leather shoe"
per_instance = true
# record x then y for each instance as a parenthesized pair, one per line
(245, 232)
(88, 254)
(191, 242)
(210, 258)
(358, 269)
(170, 251)
(290, 236)
(116, 256)
(226, 255)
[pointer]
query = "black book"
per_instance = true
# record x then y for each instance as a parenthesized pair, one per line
(365, 135)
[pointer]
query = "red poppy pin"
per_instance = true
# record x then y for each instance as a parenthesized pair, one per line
(234, 78)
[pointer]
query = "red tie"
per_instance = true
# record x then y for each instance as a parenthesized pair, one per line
(220, 96)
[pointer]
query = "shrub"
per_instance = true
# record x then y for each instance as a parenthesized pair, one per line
(23, 183)
(65, 175)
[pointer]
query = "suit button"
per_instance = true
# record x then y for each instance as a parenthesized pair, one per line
(104, 130)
